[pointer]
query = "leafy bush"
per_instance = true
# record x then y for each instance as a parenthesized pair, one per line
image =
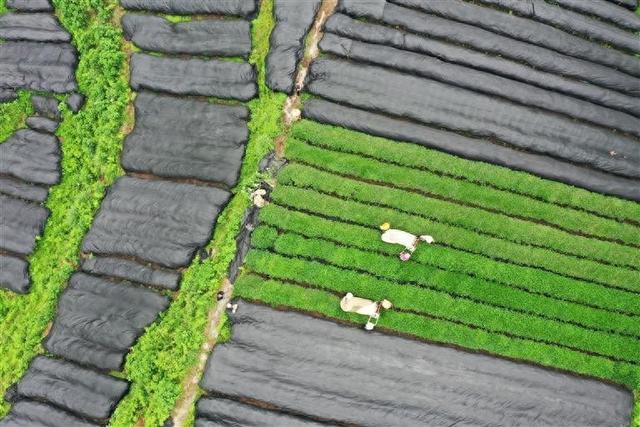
(13, 114)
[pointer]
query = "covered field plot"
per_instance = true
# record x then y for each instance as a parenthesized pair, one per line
(513, 270)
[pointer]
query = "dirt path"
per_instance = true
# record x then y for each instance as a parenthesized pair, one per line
(292, 105)
(190, 385)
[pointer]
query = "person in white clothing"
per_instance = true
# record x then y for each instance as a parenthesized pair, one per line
(399, 237)
(367, 307)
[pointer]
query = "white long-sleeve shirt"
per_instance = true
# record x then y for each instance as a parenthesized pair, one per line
(400, 237)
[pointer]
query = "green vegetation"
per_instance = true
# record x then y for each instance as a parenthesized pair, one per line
(91, 142)
(520, 189)
(512, 272)
(13, 114)
(166, 353)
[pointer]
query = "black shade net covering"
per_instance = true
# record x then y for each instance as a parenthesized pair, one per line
(476, 81)
(181, 159)
(286, 45)
(322, 370)
(29, 165)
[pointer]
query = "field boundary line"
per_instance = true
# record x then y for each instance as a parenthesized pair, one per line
(427, 194)
(433, 288)
(503, 260)
(452, 224)
(459, 272)
(345, 150)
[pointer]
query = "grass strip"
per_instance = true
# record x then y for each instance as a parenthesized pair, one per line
(445, 259)
(282, 295)
(91, 143)
(473, 219)
(463, 192)
(14, 114)
(167, 352)
(372, 216)
(518, 183)
(438, 304)
(375, 271)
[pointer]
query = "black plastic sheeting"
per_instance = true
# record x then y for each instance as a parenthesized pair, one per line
(30, 5)
(29, 163)
(46, 106)
(629, 4)
(31, 156)
(533, 27)
(98, 320)
(7, 95)
(131, 270)
(47, 67)
(604, 10)
(75, 101)
(80, 391)
(593, 67)
(346, 26)
(219, 412)
(433, 103)
(479, 81)
(160, 222)
(474, 149)
(186, 138)
(13, 274)
(42, 124)
(222, 79)
(321, 369)
(27, 413)
(569, 21)
(293, 21)
(243, 240)
(203, 37)
(38, 27)
(20, 224)
(22, 190)
(218, 7)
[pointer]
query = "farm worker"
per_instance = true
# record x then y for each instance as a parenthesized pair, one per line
(399, 237)
(257, 197)
(367, 307)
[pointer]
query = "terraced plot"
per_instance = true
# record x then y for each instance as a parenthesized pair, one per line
(526, 85)
(512, 271)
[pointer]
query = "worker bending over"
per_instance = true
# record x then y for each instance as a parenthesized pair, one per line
(399, 237)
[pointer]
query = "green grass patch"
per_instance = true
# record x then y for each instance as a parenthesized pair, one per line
(511, 183)
(13, 114)
(91, 144)
(176, 19)
(470, 218)
(168, 350)
(441, 259)
(293, 256)
(371, 216)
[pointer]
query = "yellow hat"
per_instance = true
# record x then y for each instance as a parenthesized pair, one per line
(385, 226)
